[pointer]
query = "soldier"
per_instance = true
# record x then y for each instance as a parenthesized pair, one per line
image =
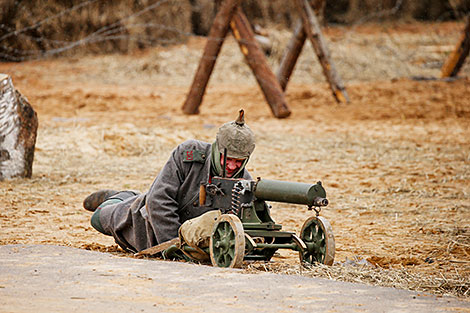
(139, 221)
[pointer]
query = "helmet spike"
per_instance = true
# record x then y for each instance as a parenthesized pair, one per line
(241, 118)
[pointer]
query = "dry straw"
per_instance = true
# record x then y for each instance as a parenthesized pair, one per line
(454, 285)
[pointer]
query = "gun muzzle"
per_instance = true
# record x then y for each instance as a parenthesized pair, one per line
(320, 201)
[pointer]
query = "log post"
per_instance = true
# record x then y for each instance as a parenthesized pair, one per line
(313, 32)
(214, 43)
(254, 56)
(291, 54)
(18, 128)
(456, 59)
(294, 47)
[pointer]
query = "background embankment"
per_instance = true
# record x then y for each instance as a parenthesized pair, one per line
(38, 29)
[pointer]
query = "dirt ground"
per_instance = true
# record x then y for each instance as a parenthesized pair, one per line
(395, 161)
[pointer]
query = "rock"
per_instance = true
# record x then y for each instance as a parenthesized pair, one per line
(18, 128)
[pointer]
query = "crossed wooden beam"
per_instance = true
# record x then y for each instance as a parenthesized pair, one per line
(456, 59)
(230, 15)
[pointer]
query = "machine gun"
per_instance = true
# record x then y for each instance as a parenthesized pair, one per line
(246, 231)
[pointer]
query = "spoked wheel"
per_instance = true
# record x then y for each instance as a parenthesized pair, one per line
(318, 237)
(227, 243)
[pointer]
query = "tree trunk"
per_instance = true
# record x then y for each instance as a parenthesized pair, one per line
(18, 127)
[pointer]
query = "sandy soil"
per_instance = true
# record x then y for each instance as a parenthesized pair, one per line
(395, 161)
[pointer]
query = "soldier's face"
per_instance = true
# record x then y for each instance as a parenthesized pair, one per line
(233, 165)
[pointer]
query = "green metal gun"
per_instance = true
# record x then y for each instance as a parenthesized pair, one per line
(246, 231)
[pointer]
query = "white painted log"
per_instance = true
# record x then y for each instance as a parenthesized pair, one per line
(18, 127)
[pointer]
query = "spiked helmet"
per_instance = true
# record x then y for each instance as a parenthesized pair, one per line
(237, 138)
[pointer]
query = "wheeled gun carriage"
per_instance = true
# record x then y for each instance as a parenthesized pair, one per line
(245, 229)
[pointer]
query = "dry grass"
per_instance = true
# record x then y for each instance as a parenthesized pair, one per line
(450, 284)
(38, 29)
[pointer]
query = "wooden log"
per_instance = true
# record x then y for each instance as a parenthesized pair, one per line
(313, 32)
(18, 128)
(291, 55)
(214, 43)
(294, 47)
(254, 56)
(456, 59)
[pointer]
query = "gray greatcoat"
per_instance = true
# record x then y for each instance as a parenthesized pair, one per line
(154, 217)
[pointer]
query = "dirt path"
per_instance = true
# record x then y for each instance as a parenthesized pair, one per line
(395, 162)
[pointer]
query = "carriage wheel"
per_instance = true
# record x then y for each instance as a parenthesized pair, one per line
(227, 243)
(318, 237)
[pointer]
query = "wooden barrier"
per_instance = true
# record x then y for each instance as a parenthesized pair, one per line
(254, 56)
(292, 53)
(313, 32)
(456, 59)
(273, 86)
(216, 38)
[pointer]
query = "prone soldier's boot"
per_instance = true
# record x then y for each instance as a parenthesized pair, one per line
(93, 201)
